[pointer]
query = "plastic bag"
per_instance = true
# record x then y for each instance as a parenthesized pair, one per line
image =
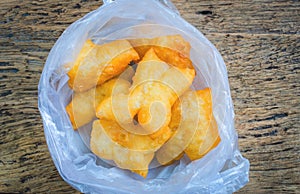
(222, 170)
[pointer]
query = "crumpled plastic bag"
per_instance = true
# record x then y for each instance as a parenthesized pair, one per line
(222, 170)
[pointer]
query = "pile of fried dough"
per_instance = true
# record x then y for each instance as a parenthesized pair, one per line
(138, 95)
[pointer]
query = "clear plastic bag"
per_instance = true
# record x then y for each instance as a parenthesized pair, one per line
(222, 170)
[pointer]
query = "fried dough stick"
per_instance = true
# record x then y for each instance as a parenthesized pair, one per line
(130, 158)
(156, 86)
(81, 109)
(96, 64)
(172, 49)
(151, 96)
(194, 128)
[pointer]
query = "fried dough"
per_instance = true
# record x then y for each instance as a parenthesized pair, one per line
(172, 49)
(127, 158)
(81, 109)
(194, 128)
(96, 64)
(151, 96)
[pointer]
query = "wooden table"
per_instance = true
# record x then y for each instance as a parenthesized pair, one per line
(260, 43)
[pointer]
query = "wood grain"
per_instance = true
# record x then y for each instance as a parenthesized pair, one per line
(253, 17)
(259, 41)
(265, 92)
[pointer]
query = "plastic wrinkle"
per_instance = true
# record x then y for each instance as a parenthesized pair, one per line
(222, 170)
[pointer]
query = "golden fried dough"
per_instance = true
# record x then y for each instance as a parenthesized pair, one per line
(81, 109)
(150, 68)
(184, 122)
(98, 63)
(172, 49)
(194, 129)
(157, 115)
(127, 158)
(151, 96)
(211, 140)
(158, 92)
(206, 123)
(130, 140)
(114, 111)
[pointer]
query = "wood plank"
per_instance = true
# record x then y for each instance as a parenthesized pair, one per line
(263, 73)
(254, 17)
(259, 41)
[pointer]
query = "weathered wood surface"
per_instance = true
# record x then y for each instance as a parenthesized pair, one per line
(260, 43)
